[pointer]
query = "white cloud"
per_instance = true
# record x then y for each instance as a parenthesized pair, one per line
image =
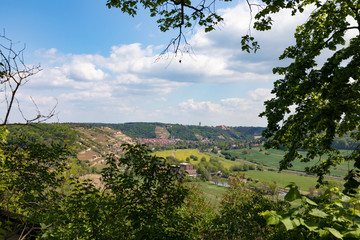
(85, 96)
(205, 106)
(230, 111)
(261, 94)
(81, 70)
(237, 104)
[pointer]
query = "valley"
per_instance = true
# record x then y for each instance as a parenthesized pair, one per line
(242, 153)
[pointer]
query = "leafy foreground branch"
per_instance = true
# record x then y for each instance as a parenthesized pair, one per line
(333, 215)
(141, 197)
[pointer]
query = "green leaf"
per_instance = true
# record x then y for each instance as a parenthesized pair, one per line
(288, 223)
(353, 234)
(335, 233)
(318, 213)
(309, 201)
(296, 203)
(312, 226)
(272, 218)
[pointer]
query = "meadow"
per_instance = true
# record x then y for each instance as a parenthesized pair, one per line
(271, 158)
(182, 154)
(213, 193)
(282, 179)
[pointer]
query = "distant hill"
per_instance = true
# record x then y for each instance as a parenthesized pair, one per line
(185, 132)
(90, 144)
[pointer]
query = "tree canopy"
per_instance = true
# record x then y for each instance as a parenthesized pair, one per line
(174, 14)
(316, 101)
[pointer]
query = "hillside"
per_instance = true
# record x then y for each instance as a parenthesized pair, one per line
(90, 145)
(185, 132)
(98, 142)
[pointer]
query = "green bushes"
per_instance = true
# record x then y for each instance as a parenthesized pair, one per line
(242, 167)
(239, 217)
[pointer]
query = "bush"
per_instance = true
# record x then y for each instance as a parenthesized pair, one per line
(237, 167)
(246, 167)
(251, 167)
(239, 217)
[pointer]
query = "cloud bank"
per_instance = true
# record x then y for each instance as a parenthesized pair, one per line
(217, 84)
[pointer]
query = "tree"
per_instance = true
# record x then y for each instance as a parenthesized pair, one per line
(325, 95)
(30, 172)
(142, 197)
(30, 175)
(330, 216)
(239, 218)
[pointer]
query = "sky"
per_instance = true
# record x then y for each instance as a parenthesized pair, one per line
(101, 65)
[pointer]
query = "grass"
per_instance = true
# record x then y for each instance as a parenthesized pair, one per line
(212, 192)
(272, 157)
(182, 154)
(282, 179)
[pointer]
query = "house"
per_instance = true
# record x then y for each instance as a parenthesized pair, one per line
(189, 168)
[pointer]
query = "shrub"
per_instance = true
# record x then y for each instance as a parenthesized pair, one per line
(239, 217)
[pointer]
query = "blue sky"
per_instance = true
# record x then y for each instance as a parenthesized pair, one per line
(100, 65)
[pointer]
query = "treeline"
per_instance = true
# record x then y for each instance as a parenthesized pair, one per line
(345, 143)
(185, 132)
(42, 133)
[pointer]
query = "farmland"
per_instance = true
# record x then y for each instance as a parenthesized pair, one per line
(271, 160)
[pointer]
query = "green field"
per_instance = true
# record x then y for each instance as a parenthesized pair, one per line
(212, 192)
(272, 157)
(182, 154)
(281, 179)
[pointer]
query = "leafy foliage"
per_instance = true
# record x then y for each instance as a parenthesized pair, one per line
(30, 175)
(173, 13)
(141, 197)
(325, 95)
(239, 214)
(332, 215)
(42, 133)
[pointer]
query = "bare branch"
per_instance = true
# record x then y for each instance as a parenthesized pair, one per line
(14, 73)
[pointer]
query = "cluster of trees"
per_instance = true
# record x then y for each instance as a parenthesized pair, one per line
(244, 167)
(42, 132)
(207, 168)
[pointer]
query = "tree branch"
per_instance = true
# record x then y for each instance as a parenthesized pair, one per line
(14, 73)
